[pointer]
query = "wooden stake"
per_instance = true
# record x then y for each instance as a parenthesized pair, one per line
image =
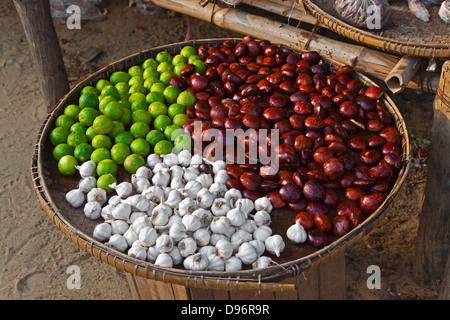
(433, 236)
(41, 35)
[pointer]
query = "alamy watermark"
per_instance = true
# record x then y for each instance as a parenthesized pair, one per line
(74, 280)
(74, 19)
(373, 17)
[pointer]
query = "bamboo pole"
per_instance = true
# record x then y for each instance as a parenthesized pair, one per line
(402, 73)
(367, 61)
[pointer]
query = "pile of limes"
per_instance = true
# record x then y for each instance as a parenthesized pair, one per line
(121, 120)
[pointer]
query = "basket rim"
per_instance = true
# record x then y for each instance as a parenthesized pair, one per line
(198, 278)
(423, 50)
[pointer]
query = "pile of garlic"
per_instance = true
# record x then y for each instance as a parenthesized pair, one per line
(172, 214)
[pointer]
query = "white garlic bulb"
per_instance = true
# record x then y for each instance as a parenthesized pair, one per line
(75, 198)
(204, 198)
(236, 216)
(220, 207)
(176, 171)
(152, 160)
(196, 159)
(171, 159)
(262, 262)
(191, 222)
(296, 233)
(259, 246)
(121, 211)
(205, 217)
(152, 254)
(139, 183)
(246, 205)
(144, 172)
(160, 167)
(161, 214)
(202, 237)
(249, 226)
(118, 242)
(224, 248)
(232, 195)
(87, 169)
(216, 263)
(221, 176)
(190, 174)
(177, 183)
(161, 179)
(233, 264)
(187, 206)
(141, 222)
(205, 179)
(184, 158)
(263, 204)
(218, 189)
(164, 243)
(207, 250)
(137, 250)
(153, 193)
(138, 202)
(176, 255)
(247, 253)
(174, 199)
(119, 227)
(262, 218)
(262, 233)
(215, 237)
(130, 236)
(114, 200)
(177, 231)
(87, 184)
(192, 188)
(123, 189)
(148, 236)
(219, 225)
(187, 246)
(134, 215)
(196, 262)
(102, 231)
(239, 237)
(164, 260)
(106, 213)
(97, 195)
(275, 244)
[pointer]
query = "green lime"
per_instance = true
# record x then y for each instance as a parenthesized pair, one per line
(141, 116)
(200, 66)
(135, 71)
(64, 121)
(101, 141)
(178, 67)
(76, 138)
(118, 127)
(101, 84)
(161, 122)
(150, 72)
(77, 126)
(119, 76)
(183, 142)
(154, 136)
(186, 98)
(140, 146)
(193, 58)
(90, 133)
(149, 63)
(154, 96)
(67, 164)
(119, 152)
(106, 166)
(104, 101)
(188, 51)
(179, 58)
(136, 81)
(83, 152)
(180, 119)
(103, 124)
(164, 67)
(100, 154)
(137, 89)
(124, 137)
(72, 110)
(113, 110)
(163, 147)
(151, 81)
(89, 89)
(61, 150)
(163, 56)
(59, 135)
(133, 162)
(158, 87)
(139, 105)
(110, 90)
(175, 109)
(137, 96)
(139, 129)
(126, 117)
(105, 181)
(87, 116)
(122, 87)
(157, 108)
(171, 93)
(171, 132)
(125, 103)
(88, 100)
(165, 77)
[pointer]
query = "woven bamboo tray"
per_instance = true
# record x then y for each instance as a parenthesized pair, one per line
(51, 187)
(420, 42)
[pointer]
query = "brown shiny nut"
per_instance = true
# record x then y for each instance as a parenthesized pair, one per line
(313, 190)
(333, 168)
(317, 238)
(303, 107)
(273, 114)
(278, 100)
(374, 125)
(306, 219)
(297, 122)
(374, 93)
(371, 202)
(337, 148)
(376, 141)
(250, 180)
(341, 225)
(357, 143)
(322, 222)
(312, 57)
(345, 70)
(381, 172)
(276, 200)
(251, 121)
(302, 142)
(322, 155)
(370, 156)
(314, 122)
(354, 194)
(348, 109)
(391, 135)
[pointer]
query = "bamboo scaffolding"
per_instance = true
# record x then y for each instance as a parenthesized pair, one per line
(368, 61)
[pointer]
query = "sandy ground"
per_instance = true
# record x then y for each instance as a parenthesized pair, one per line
(35, 255)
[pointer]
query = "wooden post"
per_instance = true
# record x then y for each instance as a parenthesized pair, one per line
(41, 35)
(433, 234)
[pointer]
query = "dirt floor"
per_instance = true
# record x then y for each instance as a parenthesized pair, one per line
(34, 253)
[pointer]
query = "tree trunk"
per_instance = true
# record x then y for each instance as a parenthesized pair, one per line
(433, 233)
(41, 35)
